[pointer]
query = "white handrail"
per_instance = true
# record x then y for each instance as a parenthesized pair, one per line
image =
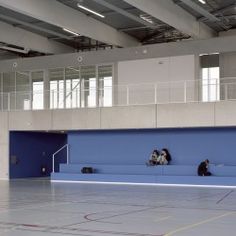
(67, 156)
(129, 94)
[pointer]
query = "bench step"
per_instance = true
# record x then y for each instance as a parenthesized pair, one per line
(145, 179)
(169, 170)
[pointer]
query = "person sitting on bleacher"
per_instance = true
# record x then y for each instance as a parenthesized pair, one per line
(203, 168)
(153, 158)
(164, 158)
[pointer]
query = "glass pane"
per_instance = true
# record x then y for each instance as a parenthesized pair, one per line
(56, 77)
(72, 77)
(76, 93)
(210, 84)
(214, 74)
(23, 90)
(88, 86)
(105, 85)
(9, 86)
(9, 82)
(38, 90)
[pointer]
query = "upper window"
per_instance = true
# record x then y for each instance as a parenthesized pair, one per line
(210, 84)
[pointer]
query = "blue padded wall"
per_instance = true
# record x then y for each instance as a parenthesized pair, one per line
(32, 150)
(187, 145)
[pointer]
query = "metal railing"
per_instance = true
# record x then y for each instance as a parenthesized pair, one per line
(59, 150)
(122, 95)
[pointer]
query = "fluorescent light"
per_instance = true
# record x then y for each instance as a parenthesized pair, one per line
(24, 51)
(202, 1)
(146, 18)
(70, 31)
(91, 11)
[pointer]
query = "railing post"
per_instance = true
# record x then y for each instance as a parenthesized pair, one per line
(185, 91)
(2, 97)
(8, 101)
(127, 94)
(52, 99)
(53, 159)
(67, 154)
(155, 94)
(226, 91)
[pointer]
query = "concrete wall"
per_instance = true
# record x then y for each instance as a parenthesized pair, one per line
(219, 114)
(138, 73)
(227, 64)
(157, 70)
(194, 47)
(144, 116)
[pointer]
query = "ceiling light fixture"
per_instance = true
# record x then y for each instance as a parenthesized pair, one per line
(70, 31)
(146, 18)
(202, 1)
(24, 51)
(91, 11)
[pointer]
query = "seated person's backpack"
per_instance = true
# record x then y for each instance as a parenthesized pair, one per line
(87, 170)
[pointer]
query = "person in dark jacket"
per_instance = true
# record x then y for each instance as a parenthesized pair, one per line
(153, 158)
(164, 158)
(203, 168)
(167, 154)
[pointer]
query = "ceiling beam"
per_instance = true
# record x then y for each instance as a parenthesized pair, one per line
(124, 13)
(173, 15)
(219, 11)
(58, 14)
(205, 13)
(33, 26)
(30, 41)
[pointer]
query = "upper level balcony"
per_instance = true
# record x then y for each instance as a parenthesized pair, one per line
(76, 95)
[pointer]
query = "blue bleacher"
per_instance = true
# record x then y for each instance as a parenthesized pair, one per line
(170, 174)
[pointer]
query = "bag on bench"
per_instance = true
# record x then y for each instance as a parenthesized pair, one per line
(87, 170)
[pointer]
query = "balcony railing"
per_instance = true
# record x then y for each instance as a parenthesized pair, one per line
(122, 95)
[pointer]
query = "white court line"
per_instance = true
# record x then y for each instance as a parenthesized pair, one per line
(184, 228)
(145, 184)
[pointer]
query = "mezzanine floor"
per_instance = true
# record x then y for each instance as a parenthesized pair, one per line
(39, 208)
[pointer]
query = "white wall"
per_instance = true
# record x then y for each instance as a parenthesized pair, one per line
(157, 70)
(227, 64)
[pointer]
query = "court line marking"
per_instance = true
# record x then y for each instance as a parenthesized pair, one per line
(162, 219)
(199, 223)
(70, 231)
(225, 196)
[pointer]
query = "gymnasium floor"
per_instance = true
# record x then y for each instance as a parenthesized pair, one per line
(37, 207)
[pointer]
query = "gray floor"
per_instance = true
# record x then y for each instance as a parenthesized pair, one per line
(37, 207)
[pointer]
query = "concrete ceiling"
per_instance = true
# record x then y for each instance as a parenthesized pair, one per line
(33, 27)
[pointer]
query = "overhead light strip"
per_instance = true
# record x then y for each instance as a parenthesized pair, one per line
(70, 31)
(91, 11)
(24, 51)
(202, 1)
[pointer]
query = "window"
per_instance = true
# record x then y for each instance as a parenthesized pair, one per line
(23, 91)
(9, 86)
(105, 85)
(56, 77)
(37, 90)
(72, 76)
(88, 86)
(210, 84)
